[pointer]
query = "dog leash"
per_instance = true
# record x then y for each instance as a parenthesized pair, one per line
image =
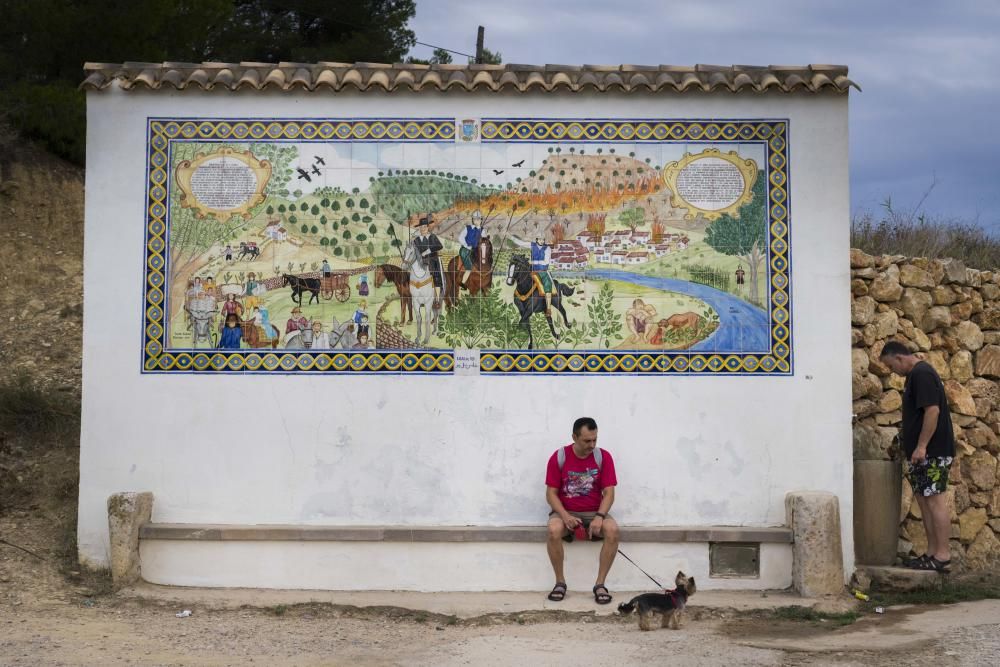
(641, 570)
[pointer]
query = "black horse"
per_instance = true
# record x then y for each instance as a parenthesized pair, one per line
(529, 299)
(300, 285)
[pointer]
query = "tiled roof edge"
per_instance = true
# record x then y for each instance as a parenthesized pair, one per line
(522, 78)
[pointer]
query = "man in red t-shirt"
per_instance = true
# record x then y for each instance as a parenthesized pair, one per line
(580, 489)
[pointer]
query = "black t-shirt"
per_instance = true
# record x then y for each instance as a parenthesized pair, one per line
(924, 389)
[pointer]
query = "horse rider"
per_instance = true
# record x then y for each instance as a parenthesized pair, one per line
(541, 257)
(470, 245)
(428, 246)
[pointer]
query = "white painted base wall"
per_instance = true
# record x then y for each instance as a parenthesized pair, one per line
(480, 566)
(375, 450)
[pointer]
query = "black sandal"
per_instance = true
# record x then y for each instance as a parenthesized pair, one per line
(558, 592)
(932, 563)
(915, 563)
(601, 598)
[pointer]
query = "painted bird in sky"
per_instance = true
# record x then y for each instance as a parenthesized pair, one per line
(303, 174)
(316, 171)
(518, 164)
(319, 160)
(498, 171)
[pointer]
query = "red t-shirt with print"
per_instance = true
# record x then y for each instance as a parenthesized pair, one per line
(581, 482)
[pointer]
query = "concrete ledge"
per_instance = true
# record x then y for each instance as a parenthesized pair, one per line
(282, 533)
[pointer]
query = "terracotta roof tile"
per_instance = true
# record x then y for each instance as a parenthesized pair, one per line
(524, 78)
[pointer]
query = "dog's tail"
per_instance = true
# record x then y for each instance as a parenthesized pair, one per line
(627, 607)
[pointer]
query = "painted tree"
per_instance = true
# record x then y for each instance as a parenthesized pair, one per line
(745, 235)
(633, 218)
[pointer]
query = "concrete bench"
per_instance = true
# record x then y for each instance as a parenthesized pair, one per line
(533, 534)
(437, 558)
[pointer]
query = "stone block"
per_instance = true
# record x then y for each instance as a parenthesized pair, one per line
(955, 271)
(988, 319)
(859, 287)
(912, 276)
(984, 552)
(936, 318)
(817, 556)
(899, 579)
(127, 512)
(970, 522)
(861, 260)
(862, 310)
(915, 304)
(959, 399)
(943, 295)
(960, 366)
(937, 359)
(980, 469)
(969, 335)
(961, 311)
(988, 361)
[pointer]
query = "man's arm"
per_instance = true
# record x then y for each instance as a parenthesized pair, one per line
(927, 429)
(552, 498)
(607, 500)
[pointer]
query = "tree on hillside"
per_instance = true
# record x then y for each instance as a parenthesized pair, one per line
(744, 236)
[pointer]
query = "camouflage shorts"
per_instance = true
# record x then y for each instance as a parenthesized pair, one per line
(930, 476)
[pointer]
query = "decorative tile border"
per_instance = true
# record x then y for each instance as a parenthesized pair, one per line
(773, 134)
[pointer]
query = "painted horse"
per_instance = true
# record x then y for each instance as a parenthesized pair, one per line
(530, 299)
(250, 251)
(401, 279)
(480, 276)
(421, 292)
(300, 285)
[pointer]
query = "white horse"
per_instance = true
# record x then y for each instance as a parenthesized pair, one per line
(421, 291)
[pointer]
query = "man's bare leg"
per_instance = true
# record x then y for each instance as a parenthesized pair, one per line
(927, 523)
(557, 529)
(937, 520)
(609, 549)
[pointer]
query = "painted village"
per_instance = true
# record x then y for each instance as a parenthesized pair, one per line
(406, 246)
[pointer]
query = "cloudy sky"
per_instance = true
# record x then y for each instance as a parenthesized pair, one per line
(927, 121)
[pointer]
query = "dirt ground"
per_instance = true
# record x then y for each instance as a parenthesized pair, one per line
(53, 615)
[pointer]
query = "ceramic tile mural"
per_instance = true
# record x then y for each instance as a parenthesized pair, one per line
(458, 245)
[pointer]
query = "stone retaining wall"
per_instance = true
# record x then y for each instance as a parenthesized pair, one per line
(949, 314)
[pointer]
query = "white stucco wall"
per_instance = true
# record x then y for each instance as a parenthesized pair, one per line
(460, 450)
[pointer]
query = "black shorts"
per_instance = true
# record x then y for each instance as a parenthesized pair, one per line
(586, 517)
(930, 476)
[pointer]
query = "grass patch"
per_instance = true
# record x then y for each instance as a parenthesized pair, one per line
(948, 593)
(812, 616)
(279, 610)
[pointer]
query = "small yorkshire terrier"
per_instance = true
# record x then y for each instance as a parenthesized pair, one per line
(669, 605)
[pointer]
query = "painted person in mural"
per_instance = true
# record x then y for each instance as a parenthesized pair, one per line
(429, 245)
(469, 246)
(232, 333)
(929, 445)
(541, 257)
(580, 486)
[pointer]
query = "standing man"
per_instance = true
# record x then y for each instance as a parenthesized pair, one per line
(929, 445)
(429, 245)
(580, 488)
(470, 246)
